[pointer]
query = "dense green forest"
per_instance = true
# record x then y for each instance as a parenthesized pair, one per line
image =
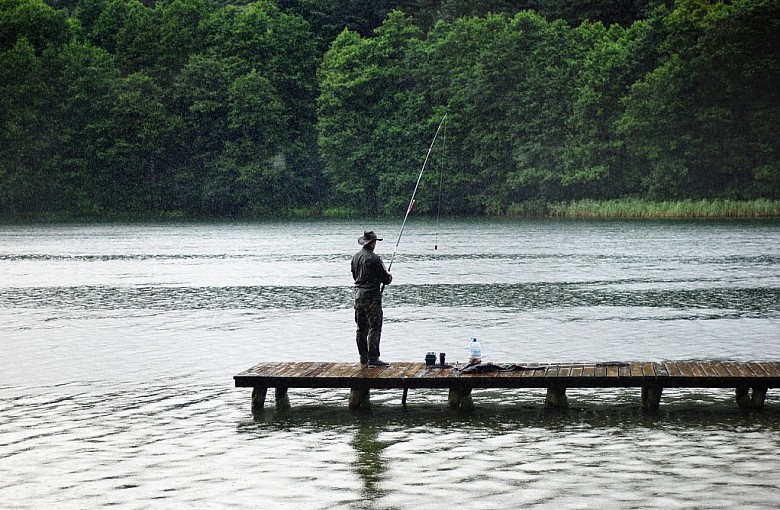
(230, 108)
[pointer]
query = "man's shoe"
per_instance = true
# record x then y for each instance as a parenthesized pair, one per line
(363, 360)
(377, 363)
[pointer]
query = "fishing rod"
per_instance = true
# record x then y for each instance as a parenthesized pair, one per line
(411, 201)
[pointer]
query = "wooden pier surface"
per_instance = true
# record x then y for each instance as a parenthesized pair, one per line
(700, 374)
(652, 377)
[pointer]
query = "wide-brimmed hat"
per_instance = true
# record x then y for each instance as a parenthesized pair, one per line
(367, 237)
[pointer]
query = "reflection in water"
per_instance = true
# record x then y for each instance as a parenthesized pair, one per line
(369, 464)
(498, 411)
(602, 450)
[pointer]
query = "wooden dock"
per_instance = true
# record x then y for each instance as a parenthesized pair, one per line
(751, 380)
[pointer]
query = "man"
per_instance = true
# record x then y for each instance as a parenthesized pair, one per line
(369, 273)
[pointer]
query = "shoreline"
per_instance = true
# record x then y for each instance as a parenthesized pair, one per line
(576, 209)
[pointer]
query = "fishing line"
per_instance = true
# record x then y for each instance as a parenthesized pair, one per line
(441, 173)
(411, 201)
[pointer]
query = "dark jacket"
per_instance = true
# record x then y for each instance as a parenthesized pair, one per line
(369, 273)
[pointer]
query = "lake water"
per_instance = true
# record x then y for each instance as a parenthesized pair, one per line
(120, 342)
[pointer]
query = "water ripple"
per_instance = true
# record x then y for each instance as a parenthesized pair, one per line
(753, 302)
(181, 442)
(121, 342)
(644, 259)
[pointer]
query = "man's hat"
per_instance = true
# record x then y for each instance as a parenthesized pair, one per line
(368, 236)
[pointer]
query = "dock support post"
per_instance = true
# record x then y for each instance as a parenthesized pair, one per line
(757, 400)
(281, 398)
(460, 398)
(651, 398)
(743, 398)
(556, 398)
(359, 397)
(403, 398)
(258, 398)
(746, 400)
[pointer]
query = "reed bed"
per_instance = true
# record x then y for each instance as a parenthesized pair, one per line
(636, 208)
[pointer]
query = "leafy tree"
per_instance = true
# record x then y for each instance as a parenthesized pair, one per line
(141, 178)
(87, 14)
(84, 80)
(278, 47)
(364, 121)
(200, 101)
(40, 25)
(545, 105)
(24, 131)
(702, 120)
(255, 178)
(330, 18)
(608, 12)
(103, 21)
(217, 108)
(344, 122)
(595, 164)
(137, 39)
(486, 97)
(182, 32)
(517, 95)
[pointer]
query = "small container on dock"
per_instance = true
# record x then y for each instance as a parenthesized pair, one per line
(475, 351)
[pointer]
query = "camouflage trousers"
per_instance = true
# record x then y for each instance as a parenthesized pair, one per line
(368, 317)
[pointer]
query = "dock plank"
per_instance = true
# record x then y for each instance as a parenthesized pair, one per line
(528, 372)
(415, 369)
(696, 368)
(771, 370)
(709, 370)
(731, 369)
(672, 369)
(269, 369)
(394, 371)
(685, 369)
(541, 373)
(744, 371)
(756, 370)
(330, 370)
(716, 374)
(660, 370)
(291, 370)
(721, 370)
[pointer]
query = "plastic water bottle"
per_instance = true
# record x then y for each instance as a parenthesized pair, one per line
(475, 351)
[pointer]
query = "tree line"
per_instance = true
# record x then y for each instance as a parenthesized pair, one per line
(212, 108)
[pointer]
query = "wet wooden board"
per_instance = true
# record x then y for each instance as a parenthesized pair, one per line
(667, 374)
